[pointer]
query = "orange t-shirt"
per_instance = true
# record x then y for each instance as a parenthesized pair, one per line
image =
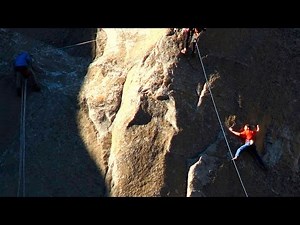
(248, 134)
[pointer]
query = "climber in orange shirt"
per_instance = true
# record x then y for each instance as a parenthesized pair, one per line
(246, 134)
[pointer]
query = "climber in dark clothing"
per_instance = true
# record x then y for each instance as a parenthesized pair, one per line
(191, 37)
(195, 37)
(24, 70)
(187, 33)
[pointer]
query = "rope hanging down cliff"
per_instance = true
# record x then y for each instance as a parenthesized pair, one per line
(21, 183)
(215, 107)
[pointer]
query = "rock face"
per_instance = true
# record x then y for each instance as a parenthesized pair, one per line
(56, 160)
(120, 94)
(154, 117)
(258, 85)
(140, 121)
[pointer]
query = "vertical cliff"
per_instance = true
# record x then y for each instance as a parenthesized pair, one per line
(139, 120)
(140, 96)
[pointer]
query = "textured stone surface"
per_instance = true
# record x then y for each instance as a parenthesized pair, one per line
(156, 91)
(139, 120)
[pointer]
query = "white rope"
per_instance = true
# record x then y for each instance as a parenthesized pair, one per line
(213, 101)
(21, 138)
(21, 183)
(24, 136)
(81, 43)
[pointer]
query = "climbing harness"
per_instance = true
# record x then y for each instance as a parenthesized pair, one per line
(21, 183)
(213, 101)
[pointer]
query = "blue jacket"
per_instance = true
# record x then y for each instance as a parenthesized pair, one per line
(23, 59)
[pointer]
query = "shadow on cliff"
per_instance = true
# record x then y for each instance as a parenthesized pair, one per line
(254, 85)
(62, 37)
(57, 163)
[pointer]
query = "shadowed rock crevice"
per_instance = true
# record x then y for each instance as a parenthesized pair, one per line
(142, 117)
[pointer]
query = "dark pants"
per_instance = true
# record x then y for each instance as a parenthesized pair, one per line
(194, 41)
(187, 37)
(253, 152)
(23, 72)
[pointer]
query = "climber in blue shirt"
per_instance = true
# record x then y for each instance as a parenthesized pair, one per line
(24, 70)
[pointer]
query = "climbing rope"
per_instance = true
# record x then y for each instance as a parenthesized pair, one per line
(21, 183)
(213, 101)
(81, 43)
